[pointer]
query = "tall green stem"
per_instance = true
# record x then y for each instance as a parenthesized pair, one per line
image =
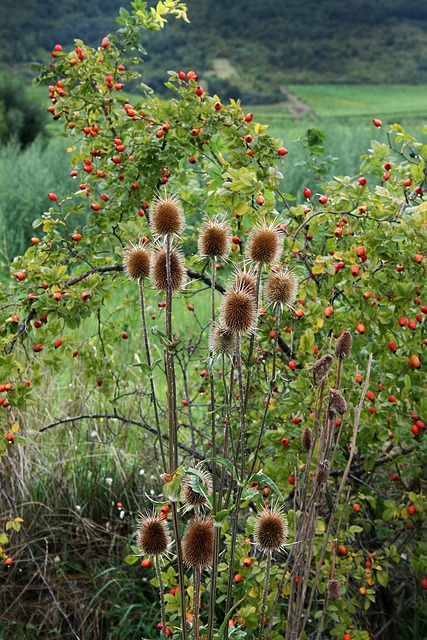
(161, 593)
(149, 362)
(264, 596)
(196, 609)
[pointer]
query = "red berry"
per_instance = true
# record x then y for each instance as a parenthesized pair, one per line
(282, 151)
(415, 430)
(57, 343)
(392, 346)
(306, 193)
(394, 477)
(362, 181)
(292, 365)
(125, 335)
(377, 122)
(146, 563)
(284, 442)
(323, 199)
(291, 480)
(402, 321)
(52, 196)
(411, 509)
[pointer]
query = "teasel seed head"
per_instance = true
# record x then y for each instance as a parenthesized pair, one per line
(214, 239)
(334, 589)
(343, 345)
(323, 469)
(153, 536)
(136, 261)
(271, 529)
(281, 287)
(337, 403)
(189, 496)
(158, 272)
(198, 543)
(265, 244)
(321, 368)
(167, 216)
(245, 279)
(222, 341)
(306, 438)
(238, 310)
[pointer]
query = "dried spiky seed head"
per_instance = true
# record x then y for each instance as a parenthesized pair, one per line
(167, 216)
(222, 341)
(136, 262)
(271, 529)
(281, 288)
(214, 239)
(238, 310)
(158, 272)
(321, 367)
(323, 469)
(334, 589)
(265, 244)
(337, 403)
(198, 543)
(192, 498)
(153, 536)
(306, 438)
(343, 346)
(245, 280)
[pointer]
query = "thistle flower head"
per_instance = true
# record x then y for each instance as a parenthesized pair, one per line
(136, 261)
(222, 341)
(158, 271)
(190, 496)
(334, 589)
(238, 310)
(321, 367)
(323, 469)
(214, 239)
(198, 543)
(271, 529)
(306, 438)
(245, 279)
(153, 536)
(343, 345)
(265, 244)
(281, 288)
(337, 403)
(167, 215)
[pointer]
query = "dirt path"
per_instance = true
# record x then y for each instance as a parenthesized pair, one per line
(297, 107)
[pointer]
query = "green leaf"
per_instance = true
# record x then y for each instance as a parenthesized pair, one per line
(131, 559)
(383, 578)
(260, 476)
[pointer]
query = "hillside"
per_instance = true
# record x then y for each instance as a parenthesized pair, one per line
(243, 48)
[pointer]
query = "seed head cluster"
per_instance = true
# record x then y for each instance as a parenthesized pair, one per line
(321, 368)
(153, 536)
(136, 262)
(158, 271)
(281, 288)
(198, 543)
(239, 309)
(265, 244)
(167, 216)
(222, 341)
(214, 239)
(271, 529)
(334, 589)
(343, 345)
(323, 469)
(337, 403)
(306, 438)
(192, 498)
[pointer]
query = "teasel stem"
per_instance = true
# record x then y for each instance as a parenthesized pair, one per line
(180, 570)
(215, 498)
(265, 595)
(238, 358)
(252, 338)
(149, 362)
(339, 373)
(173, 449)
(197, 574)
(344, 477)
(161, 592)
(170, 369)
(228, 394)
(270, 392)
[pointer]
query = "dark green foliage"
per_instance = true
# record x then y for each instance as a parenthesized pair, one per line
(22, 118)
(268, 44)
